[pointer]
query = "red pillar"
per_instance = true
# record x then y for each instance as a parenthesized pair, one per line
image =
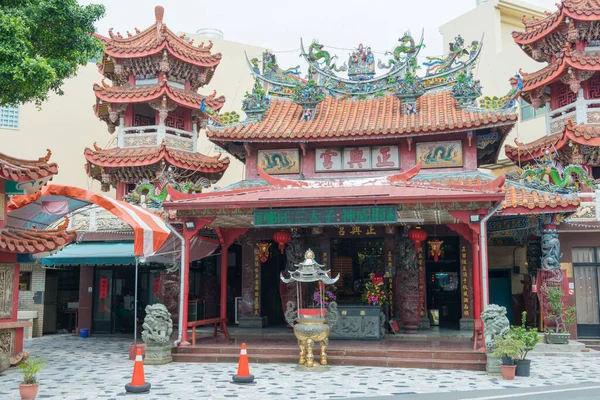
(476, 276)
(187, 235)
(224, 262)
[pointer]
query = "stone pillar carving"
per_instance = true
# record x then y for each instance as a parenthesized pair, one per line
(294, 252)
(251, 286)
(424, 322)
(550, 275)
(7, 290)
(408, 301)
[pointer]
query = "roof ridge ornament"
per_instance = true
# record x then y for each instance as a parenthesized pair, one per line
(255, 103)
(408, 90)
(466, 89)
(308, 96)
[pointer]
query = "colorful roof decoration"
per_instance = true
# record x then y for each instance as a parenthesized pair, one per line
(439, 112)
(33, 241)
(154, 40)
(17, 170)
(520, 199)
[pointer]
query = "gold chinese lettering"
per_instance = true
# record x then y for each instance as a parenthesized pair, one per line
(342, 231)
(356, 230)
(371, 231)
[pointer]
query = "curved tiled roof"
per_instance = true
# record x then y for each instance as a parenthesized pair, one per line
(154, 40)
(580, 60)
(32, 241)
(141, 156)
(518, 196)
(335, 118)
(585, 134)
(17, 170)
(580, 10)
(146, 93)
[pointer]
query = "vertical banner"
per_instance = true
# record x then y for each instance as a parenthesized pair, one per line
(103, 288)
(421, 265)
(464, 273)
(389, 265)
(256, 311)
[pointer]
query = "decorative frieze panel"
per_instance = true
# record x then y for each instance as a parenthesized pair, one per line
(180, 144)
(140, 141)
(593, 117)
(7, 275)
(7, 341)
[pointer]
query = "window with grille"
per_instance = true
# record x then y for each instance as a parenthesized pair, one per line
(528, 112)
(9, 117)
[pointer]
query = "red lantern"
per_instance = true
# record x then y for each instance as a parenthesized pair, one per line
(282, 238)
(417, 235)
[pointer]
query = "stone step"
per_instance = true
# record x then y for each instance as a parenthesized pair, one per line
(350, 352)
(457, 364)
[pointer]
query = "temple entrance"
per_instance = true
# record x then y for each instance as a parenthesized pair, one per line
(355, 260)
(501, 290)
(443, 284)
(270, 302)
(586, 274)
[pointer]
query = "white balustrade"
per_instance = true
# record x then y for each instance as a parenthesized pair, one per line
(581, 111)
(153, 135)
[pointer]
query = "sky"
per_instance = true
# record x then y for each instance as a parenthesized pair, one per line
(279, 25)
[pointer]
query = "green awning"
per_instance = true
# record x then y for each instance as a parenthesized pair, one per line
(92, 254)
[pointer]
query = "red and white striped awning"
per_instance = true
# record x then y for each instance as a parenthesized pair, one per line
(150, 231)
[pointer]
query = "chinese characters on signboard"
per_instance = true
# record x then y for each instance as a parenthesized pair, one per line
(323, 216)
(359, 231)
(421, 266)
(256, 311)
(357, 159)
(103, 288)
(464, 273)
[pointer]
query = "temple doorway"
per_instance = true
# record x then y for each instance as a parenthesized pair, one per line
(355, 260)
(270, 302)
(443, 284)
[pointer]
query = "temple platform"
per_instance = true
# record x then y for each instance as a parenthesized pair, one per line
(426, 349)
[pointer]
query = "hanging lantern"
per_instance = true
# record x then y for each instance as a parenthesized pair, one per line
(418, 236)
(263, 251)
(435, 249)
(282, 238)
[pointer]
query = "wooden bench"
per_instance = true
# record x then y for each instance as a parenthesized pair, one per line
(212, 321)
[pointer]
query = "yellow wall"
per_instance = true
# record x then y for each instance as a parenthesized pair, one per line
(501, 57)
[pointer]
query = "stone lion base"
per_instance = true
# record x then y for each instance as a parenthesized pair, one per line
(493, 365)
(158, 354)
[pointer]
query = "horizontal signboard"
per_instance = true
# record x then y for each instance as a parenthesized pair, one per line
(323, 216)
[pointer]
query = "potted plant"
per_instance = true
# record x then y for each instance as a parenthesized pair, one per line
(29, 387)
(562, 316)
(528, 338)
(508, 348)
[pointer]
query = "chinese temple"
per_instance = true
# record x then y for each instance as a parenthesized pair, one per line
(565, 160)
(373, 164)
(154, 107)
(17, 177)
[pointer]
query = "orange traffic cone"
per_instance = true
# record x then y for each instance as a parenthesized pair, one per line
(138, 382)
(243, 374)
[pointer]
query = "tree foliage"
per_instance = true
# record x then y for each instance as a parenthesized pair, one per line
(42, 43)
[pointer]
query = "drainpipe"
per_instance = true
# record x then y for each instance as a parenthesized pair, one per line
(181, 283)
(484, 260)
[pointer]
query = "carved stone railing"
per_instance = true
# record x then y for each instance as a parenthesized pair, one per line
(581, 111)
(589, 208)
(153, 135)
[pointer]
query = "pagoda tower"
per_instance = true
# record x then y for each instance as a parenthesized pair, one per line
(153, 105)
(568, 41)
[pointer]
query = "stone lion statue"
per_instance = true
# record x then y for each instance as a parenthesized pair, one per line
(157, 325)
(495, 325)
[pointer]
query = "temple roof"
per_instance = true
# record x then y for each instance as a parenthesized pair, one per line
(579, 10)
(520, 199)
(339, 118)
(32, 241)
(143, 156)
(146, 93)
(580, 60)
(17, 170)
(584, 134)
(154, 40)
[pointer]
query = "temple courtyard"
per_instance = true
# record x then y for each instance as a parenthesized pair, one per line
(98, 368)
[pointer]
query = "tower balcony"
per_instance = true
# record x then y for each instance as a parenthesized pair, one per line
(581, 111)
(153, 135)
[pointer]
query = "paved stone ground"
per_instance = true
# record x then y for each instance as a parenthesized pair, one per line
(98, 368)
